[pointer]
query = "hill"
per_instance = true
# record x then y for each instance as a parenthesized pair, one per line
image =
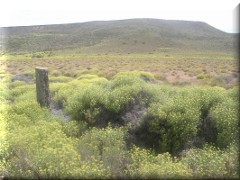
(121, 36)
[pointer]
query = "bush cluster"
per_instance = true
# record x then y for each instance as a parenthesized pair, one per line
(175, 116)
(183, 132)
(146, 165)
(173, 123)
(106, 146)
(211, 162)
(91, 98)
(40, 146)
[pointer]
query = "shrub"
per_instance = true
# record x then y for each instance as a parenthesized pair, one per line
(207, 99)
(74, 128)
(27, 96)
(172, 124)
(226, 116)
(88, 76)
(233, 93)
(146, 76)
(176, 116)
(92, 169)
(85, 104)
(218, 81)
(4, 126)
(60, 79)
(20, 90)
(56, 73)
(30, 109)
(120, 96)
(68, 91)
(16, 84)
(146, 165)
(123, 79)
(6, 78)
(3, 145)
(4, 92)
(42, 150)
(203, 76)
(37, 55)
(105, 145)
(211, 162)
(102, 99)
(42, 147)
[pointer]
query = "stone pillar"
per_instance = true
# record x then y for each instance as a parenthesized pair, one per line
(42, 86)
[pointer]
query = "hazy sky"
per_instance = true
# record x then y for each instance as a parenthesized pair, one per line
(218, 13)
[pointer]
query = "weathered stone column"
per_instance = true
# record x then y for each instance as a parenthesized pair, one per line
(42, 86)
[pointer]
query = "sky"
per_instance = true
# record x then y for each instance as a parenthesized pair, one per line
(220, 14)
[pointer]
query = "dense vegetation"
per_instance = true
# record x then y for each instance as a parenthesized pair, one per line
(126, 127)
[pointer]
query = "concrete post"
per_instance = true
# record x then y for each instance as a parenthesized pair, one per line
(42, 86)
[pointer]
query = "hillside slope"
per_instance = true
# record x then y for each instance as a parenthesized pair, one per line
(122, 36)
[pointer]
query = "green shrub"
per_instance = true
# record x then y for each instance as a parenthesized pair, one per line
(231, 159)
(4, 92)
(173, 124)
(20, 90)
(85, 104)
(56, 73)
(3, 145)
(27, 96)
(233, 93)
(203, 76)
(106, 146)
(60, 79)
(16, 84)
(226, 117)
(120, 96)
(160, 93)
(31, 110)
(92, 169)
(42, 150)
(54, 88)
(6, 78)
(146, 76)
(37, 55)
(74, 128)
(177, 115)
(124, 79)
(146, 165)
(4, 126)
(71, 89)
(207, 99)
(88, 76)
(42, 147)
(211, 162)
(218, 81)
(104, 98)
